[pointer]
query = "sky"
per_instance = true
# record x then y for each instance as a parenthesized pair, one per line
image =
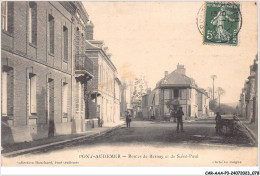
(148, 38)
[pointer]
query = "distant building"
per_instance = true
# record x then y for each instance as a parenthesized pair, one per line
(248, 102)
(174, 90)
(103, 89)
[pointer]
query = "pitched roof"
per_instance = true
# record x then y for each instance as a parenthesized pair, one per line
(175, 79)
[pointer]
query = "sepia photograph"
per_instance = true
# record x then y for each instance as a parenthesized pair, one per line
(129, 83)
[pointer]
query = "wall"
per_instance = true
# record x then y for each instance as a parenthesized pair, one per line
(23, 57)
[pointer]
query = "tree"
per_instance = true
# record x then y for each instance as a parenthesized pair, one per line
(212, 105)
(139, 90)
(220, 92)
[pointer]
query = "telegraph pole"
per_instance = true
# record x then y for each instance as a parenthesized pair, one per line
(213, 77)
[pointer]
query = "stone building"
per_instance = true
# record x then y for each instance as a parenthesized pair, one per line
(103, 89)
(248, 102)
(44, 69)
(176, 89)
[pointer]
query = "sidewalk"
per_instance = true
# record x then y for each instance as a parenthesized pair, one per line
(24, 147)
(251, 127)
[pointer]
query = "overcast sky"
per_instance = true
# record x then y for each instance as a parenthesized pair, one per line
(152, 37)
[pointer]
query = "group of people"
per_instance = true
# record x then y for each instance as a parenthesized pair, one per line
(177, 113)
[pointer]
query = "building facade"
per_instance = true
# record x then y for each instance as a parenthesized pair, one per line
(43, 72)
(175, 90)
(103, 89)
(248, 102)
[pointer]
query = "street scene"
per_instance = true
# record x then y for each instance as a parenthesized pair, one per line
(200, 133)
(87, 81)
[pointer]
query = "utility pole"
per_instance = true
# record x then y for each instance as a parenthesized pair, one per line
(213, 77)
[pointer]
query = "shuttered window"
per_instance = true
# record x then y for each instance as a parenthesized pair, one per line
(32, 92)
(51, 34)
(183, 94)
(7, 13)
(7, 91)
(65, 99)
(32, 23)
(4, 15)
(4, 93)
(65, 43)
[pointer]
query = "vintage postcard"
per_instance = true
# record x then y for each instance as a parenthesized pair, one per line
(129, 83)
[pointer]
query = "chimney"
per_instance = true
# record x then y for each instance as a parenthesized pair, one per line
(89, 30)
(181, 69)
(165, 73)
(148, 91)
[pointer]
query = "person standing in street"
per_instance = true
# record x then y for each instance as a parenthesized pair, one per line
(218, 123)
(179, 119)
(128, 119)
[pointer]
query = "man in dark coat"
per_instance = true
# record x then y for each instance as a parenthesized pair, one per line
(218, 123)
(128, 119)
(179, 119)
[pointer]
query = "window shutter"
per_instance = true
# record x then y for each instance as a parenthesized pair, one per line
(30, 24)
(4, 93)
(3, 15)
(34, 23)
(10, 17)
(65, 44)
(10, 95)
(51, 25)
(77, 96)
(65, 98)
(33, 94)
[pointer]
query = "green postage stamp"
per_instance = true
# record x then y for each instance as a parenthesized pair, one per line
(222, 23)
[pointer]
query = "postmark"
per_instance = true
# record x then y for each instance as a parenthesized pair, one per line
(220, 22)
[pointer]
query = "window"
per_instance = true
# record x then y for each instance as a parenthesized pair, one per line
(32, 23)
(4, 93)
(78, 97)
(32, 93)
(7, 91)
(167, 94)
(188, 93)
(176, 93)
(156, 98)
(7, 16)
(51, 34)
(65, 43)
(65, 99)
(183, 94)
(99, 74)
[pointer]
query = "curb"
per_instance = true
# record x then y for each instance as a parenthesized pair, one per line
(27, 150)
(252, 134)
